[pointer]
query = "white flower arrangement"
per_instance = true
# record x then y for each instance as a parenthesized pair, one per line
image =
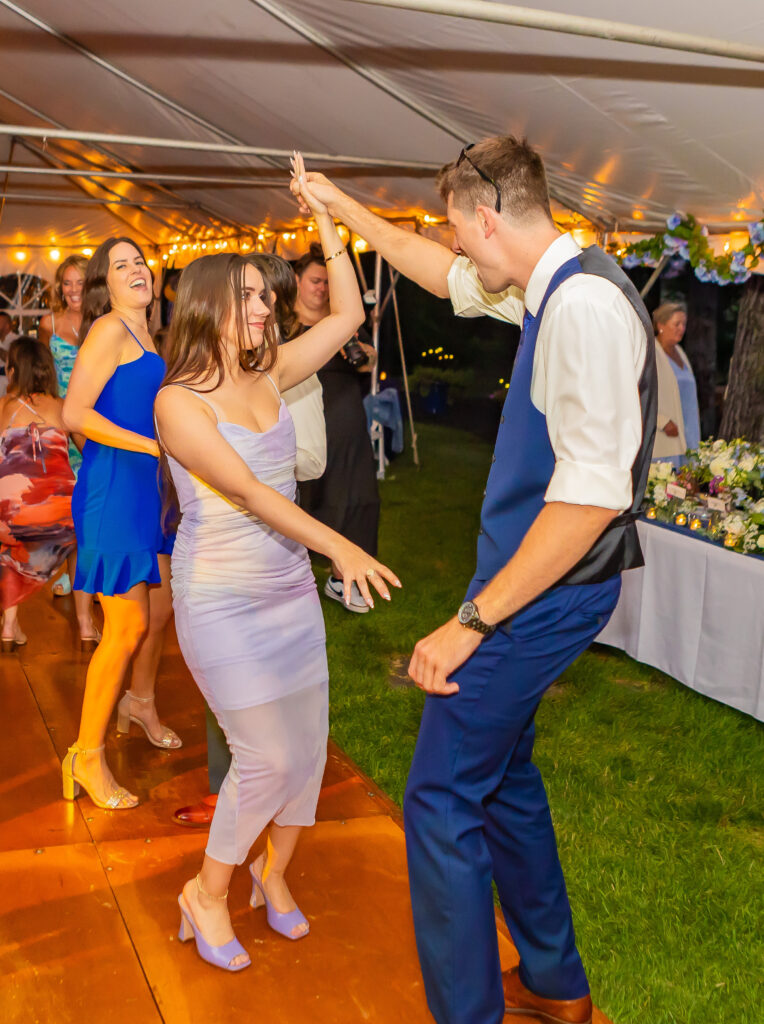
(732, 471)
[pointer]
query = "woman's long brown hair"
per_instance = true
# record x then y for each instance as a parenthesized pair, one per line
(95, 296)
(209, 297)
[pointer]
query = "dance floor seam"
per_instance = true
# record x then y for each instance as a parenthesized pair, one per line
(88, 898)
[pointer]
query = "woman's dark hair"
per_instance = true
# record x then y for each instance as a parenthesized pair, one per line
(280, 279)
(31, 369)
(209, 294)
(314, 255)
(95, 296)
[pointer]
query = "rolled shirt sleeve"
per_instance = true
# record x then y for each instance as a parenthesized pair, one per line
(470, 299)
(593, 348)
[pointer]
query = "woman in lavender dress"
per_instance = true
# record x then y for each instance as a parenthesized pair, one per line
(247, 612)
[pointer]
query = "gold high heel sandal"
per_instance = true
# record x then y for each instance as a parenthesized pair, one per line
(169, 740)
(72, 784)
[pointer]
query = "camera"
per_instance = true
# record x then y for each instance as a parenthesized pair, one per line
(354, 353)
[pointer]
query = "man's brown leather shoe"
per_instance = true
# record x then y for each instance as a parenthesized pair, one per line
(197, 815)
(518, 1000)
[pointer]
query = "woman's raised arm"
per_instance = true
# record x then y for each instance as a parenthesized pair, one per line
(308, 353)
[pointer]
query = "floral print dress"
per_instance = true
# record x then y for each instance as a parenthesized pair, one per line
(36, 529)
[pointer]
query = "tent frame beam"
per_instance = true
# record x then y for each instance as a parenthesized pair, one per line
(197, 146)
(574, 24)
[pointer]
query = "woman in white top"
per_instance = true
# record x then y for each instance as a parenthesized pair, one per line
(678, 415)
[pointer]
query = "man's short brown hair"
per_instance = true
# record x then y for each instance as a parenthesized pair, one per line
(514, 165)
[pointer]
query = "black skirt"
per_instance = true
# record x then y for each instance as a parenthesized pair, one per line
(346, 497)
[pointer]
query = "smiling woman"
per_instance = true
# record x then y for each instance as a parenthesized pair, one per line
(116, 511)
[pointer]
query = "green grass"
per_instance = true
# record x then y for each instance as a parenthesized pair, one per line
(657, 792)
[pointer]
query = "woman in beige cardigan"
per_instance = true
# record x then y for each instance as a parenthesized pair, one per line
(678, 417)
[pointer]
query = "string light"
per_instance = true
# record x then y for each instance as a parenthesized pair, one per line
(165, 256)
(20, 255)
(55, 254)
(87, 252)
(151, 263)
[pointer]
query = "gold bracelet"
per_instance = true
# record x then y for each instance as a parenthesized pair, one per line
(334, 255)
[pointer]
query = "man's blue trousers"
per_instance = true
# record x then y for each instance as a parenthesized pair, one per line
(476, 811)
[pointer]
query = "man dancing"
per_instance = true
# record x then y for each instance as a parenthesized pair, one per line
(557, 528)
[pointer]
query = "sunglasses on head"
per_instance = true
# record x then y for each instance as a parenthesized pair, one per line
(463, 156)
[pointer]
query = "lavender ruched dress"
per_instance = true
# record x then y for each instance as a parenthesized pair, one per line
(251, 630)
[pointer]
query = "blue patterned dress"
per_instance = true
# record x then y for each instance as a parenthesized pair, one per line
(64, 355)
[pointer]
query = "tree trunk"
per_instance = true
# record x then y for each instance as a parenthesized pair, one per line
(700, 345)
(744, 404)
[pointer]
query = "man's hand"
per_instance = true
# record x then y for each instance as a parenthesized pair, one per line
(320, 187)
(438, 655)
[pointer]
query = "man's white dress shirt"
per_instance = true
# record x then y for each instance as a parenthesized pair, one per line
(589, 356)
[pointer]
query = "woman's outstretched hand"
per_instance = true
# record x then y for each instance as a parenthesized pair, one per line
(300, 187)
(322, 191)
(355, 566)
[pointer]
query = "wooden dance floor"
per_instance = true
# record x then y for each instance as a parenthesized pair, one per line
(88, 909)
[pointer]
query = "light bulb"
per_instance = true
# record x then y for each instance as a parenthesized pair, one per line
(55, 254)
(87, 252)
(20, 255)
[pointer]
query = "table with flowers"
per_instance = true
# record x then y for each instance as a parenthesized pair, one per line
(696, 609)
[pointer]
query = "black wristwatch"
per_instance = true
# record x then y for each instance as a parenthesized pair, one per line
(469, 616)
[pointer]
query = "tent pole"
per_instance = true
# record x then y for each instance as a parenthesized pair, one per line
(139, 176)
(196, 146)
(377, 430)
(414, 449)
(655, 275)
(574, 24)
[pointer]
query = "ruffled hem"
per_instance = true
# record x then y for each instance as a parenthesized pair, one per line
(115, 572)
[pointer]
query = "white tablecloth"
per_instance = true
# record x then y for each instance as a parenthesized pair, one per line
(696, 612)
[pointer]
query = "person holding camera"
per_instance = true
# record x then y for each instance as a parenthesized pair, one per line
(346, 497)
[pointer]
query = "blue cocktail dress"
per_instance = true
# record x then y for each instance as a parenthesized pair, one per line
(116, 505)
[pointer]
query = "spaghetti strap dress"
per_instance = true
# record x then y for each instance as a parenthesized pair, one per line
(251, 630)
(64, 356)
(36, 531)
(116, 505)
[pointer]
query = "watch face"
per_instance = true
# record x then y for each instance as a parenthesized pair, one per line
(467, 612)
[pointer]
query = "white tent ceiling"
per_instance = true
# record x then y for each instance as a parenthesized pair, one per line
(629, 133)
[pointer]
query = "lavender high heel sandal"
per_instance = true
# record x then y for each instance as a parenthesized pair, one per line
(218, 956)
(284, 924)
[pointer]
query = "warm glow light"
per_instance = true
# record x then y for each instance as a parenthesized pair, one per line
(726, 247)
(245, 247)
(285, 236)
(429, 351)
(424, 354)
(383, 376)
(164, 257)
(195, 246)
(310, 227)
(151, 263)
(638, 215)
(360, 245)
(204, 245)
(217, 245)
(87, 252)
(225, 244)
(20, 255)
(261, 238)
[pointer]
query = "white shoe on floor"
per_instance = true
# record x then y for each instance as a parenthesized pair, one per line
(334, 588)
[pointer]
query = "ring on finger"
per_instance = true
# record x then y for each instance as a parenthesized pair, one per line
(370, 573)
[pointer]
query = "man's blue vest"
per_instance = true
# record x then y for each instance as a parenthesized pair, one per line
(523, 460)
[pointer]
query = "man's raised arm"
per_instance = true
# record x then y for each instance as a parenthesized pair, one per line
(423, 260)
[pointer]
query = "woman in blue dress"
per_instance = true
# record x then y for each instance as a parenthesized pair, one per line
(63, 339)
(122, 553)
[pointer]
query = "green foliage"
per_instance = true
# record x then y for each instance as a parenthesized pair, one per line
(656, 792)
